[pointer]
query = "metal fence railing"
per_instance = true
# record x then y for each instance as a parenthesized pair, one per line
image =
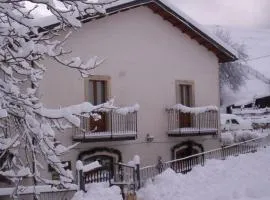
(101, 174)
(116, 174)
(184, 165)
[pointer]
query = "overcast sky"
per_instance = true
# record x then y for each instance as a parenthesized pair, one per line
(254, 13)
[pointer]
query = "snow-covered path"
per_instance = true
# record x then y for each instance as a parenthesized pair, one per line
(246, 177)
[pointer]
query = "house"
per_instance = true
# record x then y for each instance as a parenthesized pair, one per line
(155, 57)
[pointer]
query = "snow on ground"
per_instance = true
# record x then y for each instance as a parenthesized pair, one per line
(245, 177)
(252, 88)
(99, 191)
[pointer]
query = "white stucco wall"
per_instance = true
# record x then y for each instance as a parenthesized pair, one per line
(144, 55)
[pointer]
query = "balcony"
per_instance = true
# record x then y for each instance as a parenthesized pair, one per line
(186, 121)
(114, 125)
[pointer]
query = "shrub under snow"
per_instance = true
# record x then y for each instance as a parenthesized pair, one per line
(230, 137)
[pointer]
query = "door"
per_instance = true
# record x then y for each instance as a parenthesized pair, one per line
(184, 98)
(186, 165)
(184, 120)
(98, 95)
(188, 151)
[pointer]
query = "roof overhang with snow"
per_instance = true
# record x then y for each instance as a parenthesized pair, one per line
(178, 19)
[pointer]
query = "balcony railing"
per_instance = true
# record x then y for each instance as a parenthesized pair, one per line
(186, 121)
(113, 125)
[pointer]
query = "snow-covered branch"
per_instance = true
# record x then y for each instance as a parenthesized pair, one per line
(27, 128)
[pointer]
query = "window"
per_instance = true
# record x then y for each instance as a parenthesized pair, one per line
(234, 121)
(97, 91)
(184, 93)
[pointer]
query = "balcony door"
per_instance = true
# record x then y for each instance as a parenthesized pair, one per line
(184, 97)
(97, 93)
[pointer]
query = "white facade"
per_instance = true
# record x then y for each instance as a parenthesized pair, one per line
(144, 57)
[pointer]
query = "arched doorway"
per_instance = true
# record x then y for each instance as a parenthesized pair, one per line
(106, 157)
(103, 154)
(186, 149)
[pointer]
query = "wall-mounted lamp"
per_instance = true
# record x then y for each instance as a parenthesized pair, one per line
(149, 138)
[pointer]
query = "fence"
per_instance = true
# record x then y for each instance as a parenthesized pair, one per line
(98, 175)
(184, 165)
(133, 176)
(181, 123)
(117, 174)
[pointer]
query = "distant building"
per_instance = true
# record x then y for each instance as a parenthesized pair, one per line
(256, 103)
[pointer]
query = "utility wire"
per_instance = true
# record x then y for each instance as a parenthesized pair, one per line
(258, 58)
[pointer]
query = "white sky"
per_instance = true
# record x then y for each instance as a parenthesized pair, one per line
(255, 13)
(228, 12)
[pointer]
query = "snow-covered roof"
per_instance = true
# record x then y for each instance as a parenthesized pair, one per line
(178, 18)
(199, 26)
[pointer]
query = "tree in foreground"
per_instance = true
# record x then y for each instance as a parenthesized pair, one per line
(27, 134)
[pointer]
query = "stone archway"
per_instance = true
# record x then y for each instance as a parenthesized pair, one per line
(100, 153)
(186, 149)
(105, 156)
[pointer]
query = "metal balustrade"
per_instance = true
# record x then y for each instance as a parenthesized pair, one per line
(111, 126)
(187, 124)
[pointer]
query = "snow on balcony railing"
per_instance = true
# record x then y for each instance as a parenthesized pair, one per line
(183, 120)
(117, 123)
(194, 110)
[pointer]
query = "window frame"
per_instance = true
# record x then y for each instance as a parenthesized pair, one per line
(177, 90)
(107, 80)
(235, 120)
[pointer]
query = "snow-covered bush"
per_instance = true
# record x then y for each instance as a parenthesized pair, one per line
(227, 138)
(244, 135)
(230, 137)
(27, 136)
